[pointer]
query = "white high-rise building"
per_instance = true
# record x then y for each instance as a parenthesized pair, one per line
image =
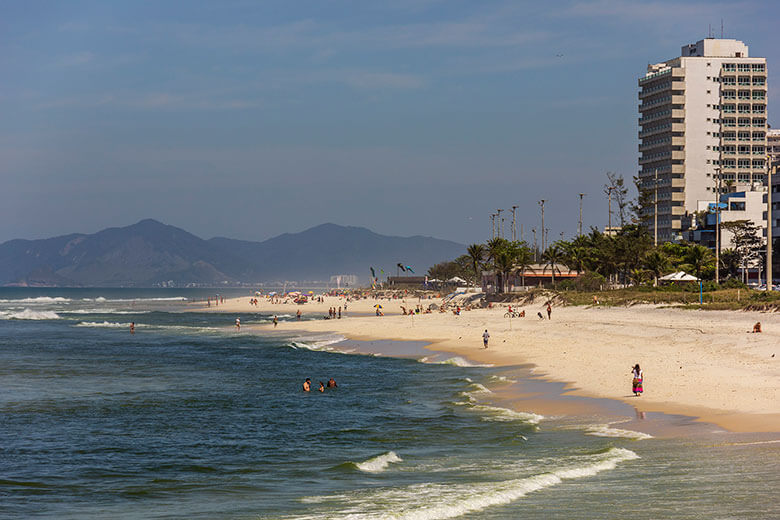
(703, 115)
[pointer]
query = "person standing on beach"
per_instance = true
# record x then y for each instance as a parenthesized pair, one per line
(339, 312)
(549, 311)
(485, 338)
(298, 315)
(636, 384)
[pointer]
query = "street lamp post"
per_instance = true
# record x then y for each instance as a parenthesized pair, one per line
(717, 226)
(655, 211)
(541, 203)
(533, 230)
(514, 224)
(579, 224)
(769, 170)
(609, 217)
(493, 225)
(498, 222)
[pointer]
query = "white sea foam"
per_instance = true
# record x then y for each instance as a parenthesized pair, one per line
(450, 501)
(29, 314)
(102, 325)
(379, 463)
(39, 300)
(479, 389)
(495, 413)
(456, 361)
(317, 343)
(605, 430)
(502, 379)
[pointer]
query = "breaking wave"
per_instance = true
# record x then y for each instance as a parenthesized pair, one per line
(29, 314)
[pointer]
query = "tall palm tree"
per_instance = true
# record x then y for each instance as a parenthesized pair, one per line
(657, 263)
(477, 254)
(699, 258)
(504, 263)
(523, 260)
(553, 257)
(576, 258)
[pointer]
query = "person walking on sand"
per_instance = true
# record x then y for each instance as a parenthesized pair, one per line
(485, 338)
(636, 384)
(549, 311)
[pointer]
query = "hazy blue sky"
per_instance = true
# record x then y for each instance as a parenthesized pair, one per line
(249, 119)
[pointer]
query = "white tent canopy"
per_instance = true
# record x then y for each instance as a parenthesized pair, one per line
(456, 279)
(679, 276)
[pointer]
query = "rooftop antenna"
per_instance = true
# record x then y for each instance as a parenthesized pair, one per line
(721, 28)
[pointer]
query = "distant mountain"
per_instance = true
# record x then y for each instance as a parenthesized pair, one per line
(149, 253)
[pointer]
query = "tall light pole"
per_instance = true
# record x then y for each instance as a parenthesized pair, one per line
(655, 211)
(771, 168)
(514, 224)
(579, 226)
(541, 203)
(493, 225)
(533, 230)
(498, 222)
(502, 228)
(717, 226)
(609, 218)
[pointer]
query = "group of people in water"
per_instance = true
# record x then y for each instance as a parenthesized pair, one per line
(330, 384)
(335, 314)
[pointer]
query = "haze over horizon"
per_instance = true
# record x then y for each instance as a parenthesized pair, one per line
(416, 118)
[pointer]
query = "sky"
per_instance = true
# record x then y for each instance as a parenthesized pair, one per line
(248, 119)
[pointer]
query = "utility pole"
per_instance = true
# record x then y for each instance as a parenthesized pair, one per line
(514, 224)
(522, 232)
(502, 228)
(493, 225)
(533, 230)
(541, 203)
(498, 222)
(609, 218)
(717, 226)
(655, 211)
(771, 168)
(579, 226)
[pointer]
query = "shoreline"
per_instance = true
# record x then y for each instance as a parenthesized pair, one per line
(709, 369)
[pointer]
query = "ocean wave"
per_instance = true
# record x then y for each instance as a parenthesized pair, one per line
(502, 379)
(605, 430)
(103, 325)
(39, 300)
(316, 344)
(379, 463)
(29, 314)
(455, 361)
(102, 311)
(103, 299)
(450, 501)
(497, 414)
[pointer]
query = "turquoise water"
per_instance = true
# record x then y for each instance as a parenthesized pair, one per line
(190, 419)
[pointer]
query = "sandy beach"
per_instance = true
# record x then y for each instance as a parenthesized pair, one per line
(703, 364)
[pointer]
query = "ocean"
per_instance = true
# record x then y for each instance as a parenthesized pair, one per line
(189, 418)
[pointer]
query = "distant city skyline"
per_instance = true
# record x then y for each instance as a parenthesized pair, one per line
(417, 118)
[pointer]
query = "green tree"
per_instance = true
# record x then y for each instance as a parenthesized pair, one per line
(553, 257)
(657, 263)
(699, 259)
(477, 254)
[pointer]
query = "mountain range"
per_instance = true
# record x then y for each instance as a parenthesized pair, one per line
(151, 253)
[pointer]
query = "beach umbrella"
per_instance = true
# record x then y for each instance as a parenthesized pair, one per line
(378, 306)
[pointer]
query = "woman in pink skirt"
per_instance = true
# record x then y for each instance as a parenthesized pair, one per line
(637, 382)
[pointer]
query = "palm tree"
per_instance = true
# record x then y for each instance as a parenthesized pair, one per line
(477, 254)
(576, 258)
(495, 246)
(553, 256)
(699, 258)
(523, 260)
(504, 263)
(657, 263)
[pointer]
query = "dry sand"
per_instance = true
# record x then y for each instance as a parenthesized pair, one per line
(698, 363)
